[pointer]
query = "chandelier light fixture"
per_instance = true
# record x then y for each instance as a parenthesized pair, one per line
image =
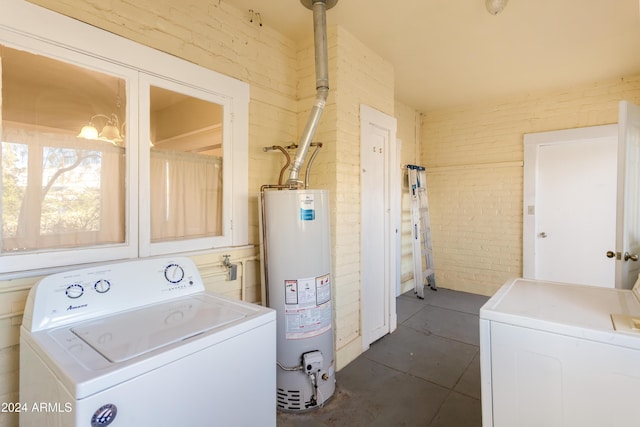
(111, 132)
(494, 7)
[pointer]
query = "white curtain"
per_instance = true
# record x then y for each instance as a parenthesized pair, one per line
(186, 195)
(38, 209)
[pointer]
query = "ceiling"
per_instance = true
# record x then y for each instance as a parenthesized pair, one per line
(453, 52)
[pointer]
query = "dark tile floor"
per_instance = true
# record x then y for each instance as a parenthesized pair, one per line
(426, 373)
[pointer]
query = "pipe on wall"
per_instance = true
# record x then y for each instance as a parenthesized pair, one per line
(243, 281)
(319, 8)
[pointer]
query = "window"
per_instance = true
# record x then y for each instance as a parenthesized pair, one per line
(58, 190)
(186, 165)
(102, 161)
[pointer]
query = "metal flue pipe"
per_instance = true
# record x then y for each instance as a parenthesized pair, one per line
(319, 8)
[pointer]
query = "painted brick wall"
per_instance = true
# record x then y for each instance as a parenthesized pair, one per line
(362, 77)
(409, 133)
(474, 155)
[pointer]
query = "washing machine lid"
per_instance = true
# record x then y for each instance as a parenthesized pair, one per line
(126, 335)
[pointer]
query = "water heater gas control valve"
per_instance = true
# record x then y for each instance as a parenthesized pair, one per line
(312, 362)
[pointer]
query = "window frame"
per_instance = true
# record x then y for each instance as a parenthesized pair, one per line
(147, 248)
(37, 30)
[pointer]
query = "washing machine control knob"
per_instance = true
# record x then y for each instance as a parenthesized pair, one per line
(102, 286)
(74, 291)
(174, 273)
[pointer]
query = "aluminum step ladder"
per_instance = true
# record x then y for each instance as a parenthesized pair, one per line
(423, 269)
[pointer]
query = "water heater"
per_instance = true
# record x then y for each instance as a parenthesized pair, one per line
(297, 268)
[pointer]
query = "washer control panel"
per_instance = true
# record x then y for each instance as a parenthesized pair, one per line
(174, 273)
(74, 291)
(86, 293)
(102, 286)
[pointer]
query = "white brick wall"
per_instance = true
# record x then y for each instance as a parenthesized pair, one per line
(476, 215)
(361, 77)
(409, 130)
(474, 158)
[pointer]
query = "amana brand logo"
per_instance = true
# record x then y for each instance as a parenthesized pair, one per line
(104, 415)
(75, 307)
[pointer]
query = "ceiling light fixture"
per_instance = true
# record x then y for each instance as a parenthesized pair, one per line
(494, 7)
(111, 132)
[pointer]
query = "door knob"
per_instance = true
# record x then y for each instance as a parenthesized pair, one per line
(632, 257)
(611, 254)
(542, 235)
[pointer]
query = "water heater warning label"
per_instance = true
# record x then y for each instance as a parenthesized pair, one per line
(290, 292)
(307, 207)
(323, 289)
(307, 306)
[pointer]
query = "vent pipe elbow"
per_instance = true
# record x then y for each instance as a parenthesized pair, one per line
(319, 8)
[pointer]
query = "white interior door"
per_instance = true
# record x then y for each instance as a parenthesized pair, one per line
(628, 233)
(379, 228)
(576, 212)
(570, 205)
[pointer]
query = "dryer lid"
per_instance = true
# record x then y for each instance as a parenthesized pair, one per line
(126, 335)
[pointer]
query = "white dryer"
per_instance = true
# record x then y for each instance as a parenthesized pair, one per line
(556, 354)
(141, 343)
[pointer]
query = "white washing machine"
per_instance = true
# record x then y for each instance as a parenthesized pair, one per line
(554, 354)
(141, 343)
